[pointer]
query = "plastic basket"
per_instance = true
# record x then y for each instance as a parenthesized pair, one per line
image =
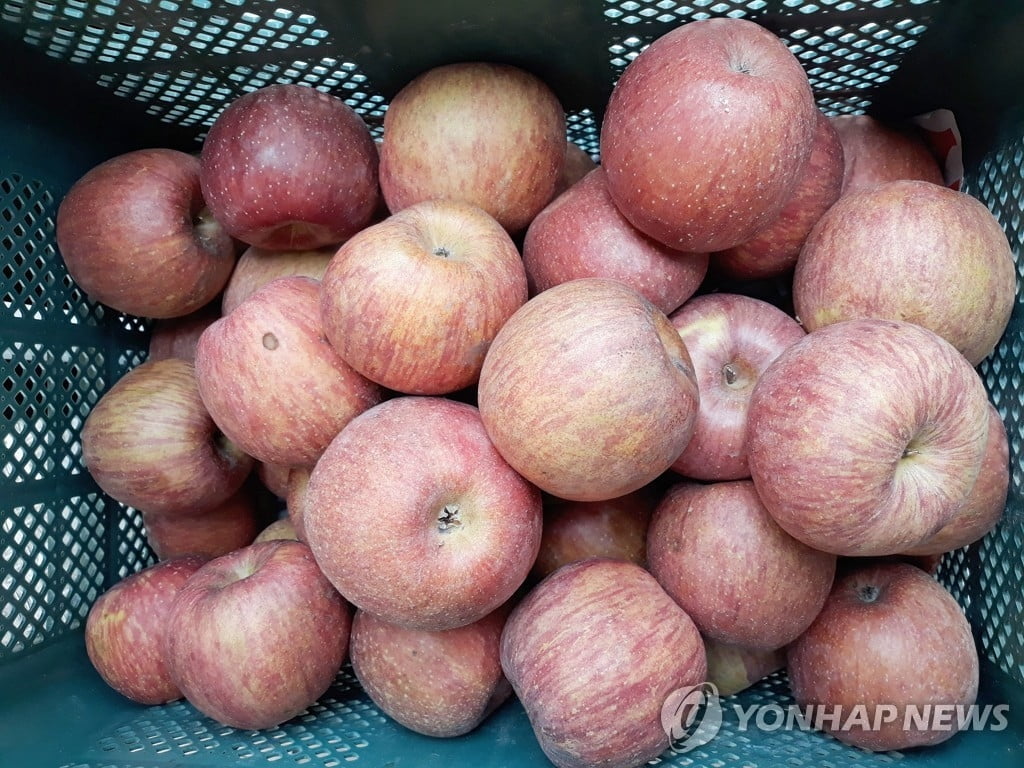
(81, 81)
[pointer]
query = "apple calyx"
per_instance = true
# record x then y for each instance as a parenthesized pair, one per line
(449, 519)
(443, 252)
(270, 341)
(869, 593)
(736, 375)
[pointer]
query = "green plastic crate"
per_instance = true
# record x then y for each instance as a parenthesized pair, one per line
(81, 81)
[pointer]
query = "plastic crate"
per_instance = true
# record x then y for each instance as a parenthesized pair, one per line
(81, 81)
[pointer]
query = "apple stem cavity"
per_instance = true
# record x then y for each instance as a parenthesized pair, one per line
(449, 518)
(868, 593)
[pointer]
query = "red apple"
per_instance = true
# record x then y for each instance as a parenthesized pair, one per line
(866, 436)
(288, 167)
(125, 629)
(274, 477)
(298, 484)
(984, 506)
(257, 636)
(212, 532)
(891, 641)
(150, 443)
(257, 266)
(440, 684)
(577, 530)
(272, 382)
(914, 251)
(492, 135)
(588, 391)
(731, 340)
(774, 250)
(178, 336)
(414, 302)
(732, 669)
(582, 234)
(877, 152)
(593, 652)
(740, 577)
(706, 133)
(415, 517)
(279, 529)
(135, 234)
(577, 165)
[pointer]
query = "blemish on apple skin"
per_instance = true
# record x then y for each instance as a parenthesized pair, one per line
(270, 341)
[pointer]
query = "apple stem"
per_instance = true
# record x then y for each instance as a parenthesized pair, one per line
(730, 373)
(449, 518)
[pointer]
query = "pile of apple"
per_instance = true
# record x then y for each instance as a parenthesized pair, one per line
(523, 448)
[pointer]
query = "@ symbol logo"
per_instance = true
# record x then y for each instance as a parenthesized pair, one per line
(691, 716)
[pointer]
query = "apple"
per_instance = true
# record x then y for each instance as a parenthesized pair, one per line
(125, 629)
(135, 234)
(295, 502)
(866, 436)
(150, 443)
(178, 336)
(577, 530)
(414, 302)
(740, 577)
(588, 391)
(211, 532)
(271, 381)
(488, 134)
(731, 339)
(593, 652)
(706, 133)
(984, 506)
(279, 529)
(582, 234)
(257, 266)
(257, 636)
(774, 250)
(274, 477)
(732, 669)
(877, 152)
(914, 251)
(289, 167)
(889, 638)
(577, 165)
(415, 517)
(440, 684)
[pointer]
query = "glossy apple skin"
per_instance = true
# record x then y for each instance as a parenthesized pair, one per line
(888, 634)
(492, 135)
(588, 391)
(601, 637)
(876, 152)
(134, 234)
(178, 336)
(271, 381)
(773, 251)
(866, 436)
(258, 266)
(414, 302)
(582, 234)
(461, 528)
(213, 532)
(984, 506)
(125, 629)
(578, 530)
(740, 577)
(732, 668)
(150, 443)
(440, 684)
(914, 251)
(706, 132)
(257, 636)
(288, 167)
(731, 339)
